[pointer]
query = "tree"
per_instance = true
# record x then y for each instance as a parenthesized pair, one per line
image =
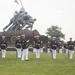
(55, 31)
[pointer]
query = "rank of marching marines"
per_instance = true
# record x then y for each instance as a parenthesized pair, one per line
(22, 47)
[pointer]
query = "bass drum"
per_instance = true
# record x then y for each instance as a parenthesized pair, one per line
(13, 39)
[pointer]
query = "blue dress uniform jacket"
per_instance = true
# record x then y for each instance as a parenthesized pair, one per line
(66, 46)
(3, 44)
(41, 45)
(37, 44)
(24, 44)
(48, 45)
(54, 45)
(60, 46)
(18, 44)
(33, 45)
(71, 45)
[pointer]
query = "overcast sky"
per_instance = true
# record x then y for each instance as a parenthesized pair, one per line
(47, 13)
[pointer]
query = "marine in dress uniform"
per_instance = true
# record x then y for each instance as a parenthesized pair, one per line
(33, 45)
(25, 48)
(70, 48)
(60, 47)
(54, 46)
(3, 45)
(41, 47)
(37, 46)
(48, 47)
(18, 46)
(65, 47)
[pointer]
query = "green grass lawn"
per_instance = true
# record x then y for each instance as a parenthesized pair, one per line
(43, 66)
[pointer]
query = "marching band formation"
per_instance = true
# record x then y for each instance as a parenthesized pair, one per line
(22, 47)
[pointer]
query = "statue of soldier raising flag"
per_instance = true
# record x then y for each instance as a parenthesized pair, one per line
(20, 20)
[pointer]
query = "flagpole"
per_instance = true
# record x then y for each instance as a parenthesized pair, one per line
(21, 3)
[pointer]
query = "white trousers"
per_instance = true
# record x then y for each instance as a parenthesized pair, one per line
(3, 53)
(34, 50)
(25, 54)
(60, 50)
(66, 50)
(70, 54)
(48, 50)
(53, 54)
(18, 52)
(41, 49)
(37, 53)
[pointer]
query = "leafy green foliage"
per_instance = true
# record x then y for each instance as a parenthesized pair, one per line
(55, 31)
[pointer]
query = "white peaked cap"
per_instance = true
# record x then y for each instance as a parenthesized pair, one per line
(18, 36)
(36, 36)
(54, 37)
(23, 35)
(3, 36)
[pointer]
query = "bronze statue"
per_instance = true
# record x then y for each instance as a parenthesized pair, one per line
(19, 21)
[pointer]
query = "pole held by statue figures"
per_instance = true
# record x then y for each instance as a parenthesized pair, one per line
(21, 3)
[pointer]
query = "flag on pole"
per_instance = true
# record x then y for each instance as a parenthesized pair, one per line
(16, 1)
